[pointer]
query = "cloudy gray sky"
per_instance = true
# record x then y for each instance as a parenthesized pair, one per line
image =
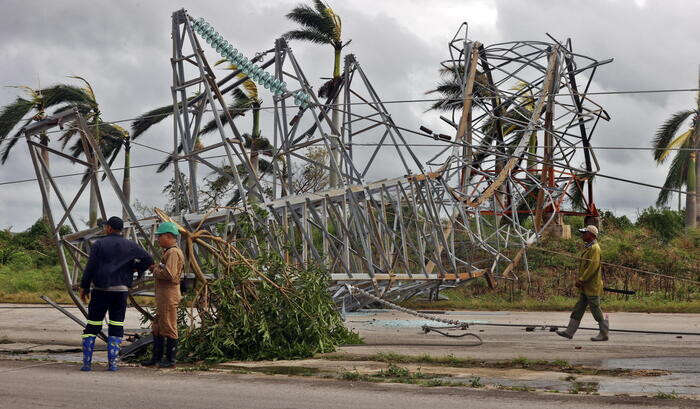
(123, 48)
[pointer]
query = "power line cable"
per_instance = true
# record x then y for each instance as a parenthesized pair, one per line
(476, 147)
(438, 144)
(418, 100)
(449, 143)
(223, 156)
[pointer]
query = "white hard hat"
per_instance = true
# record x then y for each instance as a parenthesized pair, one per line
(590, 228)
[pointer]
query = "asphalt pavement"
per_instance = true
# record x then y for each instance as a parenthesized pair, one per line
(32, 384)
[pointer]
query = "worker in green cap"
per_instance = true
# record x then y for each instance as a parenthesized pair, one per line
(167, 277)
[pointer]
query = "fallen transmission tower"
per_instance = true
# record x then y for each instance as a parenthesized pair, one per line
(470, 211)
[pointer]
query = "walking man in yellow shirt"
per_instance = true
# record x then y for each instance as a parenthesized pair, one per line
(590, 282)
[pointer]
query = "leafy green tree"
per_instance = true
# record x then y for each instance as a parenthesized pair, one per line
(321, 25)
(33, 107)
(682, 172)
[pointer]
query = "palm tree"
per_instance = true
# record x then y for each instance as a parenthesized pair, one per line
(25, 110)
(514, 120)
(146, 120)
(683, 166)
(321, 25)
(111, 138)
(450, 89)
(243, 100)
(517, 111)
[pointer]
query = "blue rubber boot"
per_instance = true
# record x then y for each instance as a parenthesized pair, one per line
(88, 347)
(113, 352)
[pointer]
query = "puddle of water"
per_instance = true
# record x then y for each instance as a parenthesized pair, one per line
(412, 323)
(685, 379)
(680, 384)
(490, 313)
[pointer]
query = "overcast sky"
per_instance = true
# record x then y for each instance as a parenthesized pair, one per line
(123, 49)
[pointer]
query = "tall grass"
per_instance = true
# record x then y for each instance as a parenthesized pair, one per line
(24, 284)
(654, 244)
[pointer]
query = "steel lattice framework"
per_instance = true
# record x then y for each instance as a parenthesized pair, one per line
(521, 152)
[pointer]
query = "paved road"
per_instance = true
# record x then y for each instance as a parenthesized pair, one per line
(400, 333)
(32, 384)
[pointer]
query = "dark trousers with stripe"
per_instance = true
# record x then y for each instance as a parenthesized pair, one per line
(102, 302)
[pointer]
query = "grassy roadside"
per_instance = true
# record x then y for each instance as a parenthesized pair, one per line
(515, 363)
(23, 284)
(29, 268)
(447, 371)
(649, 245)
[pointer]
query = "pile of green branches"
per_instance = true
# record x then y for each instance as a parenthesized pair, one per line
(261, 308)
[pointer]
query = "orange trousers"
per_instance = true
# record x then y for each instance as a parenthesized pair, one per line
(167, 299)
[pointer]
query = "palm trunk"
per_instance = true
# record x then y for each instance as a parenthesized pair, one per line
(690, 211)
(44, 140)
(253, 194)
(193, 166)
(532, 151)
(126, 181)
(334, 177)
(697, 168)
(696, 135)
(92, 218)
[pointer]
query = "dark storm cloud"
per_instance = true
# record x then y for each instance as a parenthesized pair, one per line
(655, 46)
(124, 48)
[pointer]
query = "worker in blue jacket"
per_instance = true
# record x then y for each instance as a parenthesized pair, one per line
(107, 277)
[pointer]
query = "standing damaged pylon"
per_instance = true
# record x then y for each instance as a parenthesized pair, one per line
(522, 151)
(522, 122)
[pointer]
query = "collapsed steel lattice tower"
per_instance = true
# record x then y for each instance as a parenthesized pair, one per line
(522, 124)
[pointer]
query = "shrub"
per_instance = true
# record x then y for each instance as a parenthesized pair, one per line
(7, 251)
(664, 222)
(36, 242)
(608, 221)
(20, 259)
(262, 308)
(254, 320)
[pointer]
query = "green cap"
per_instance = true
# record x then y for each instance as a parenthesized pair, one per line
(168, 227)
